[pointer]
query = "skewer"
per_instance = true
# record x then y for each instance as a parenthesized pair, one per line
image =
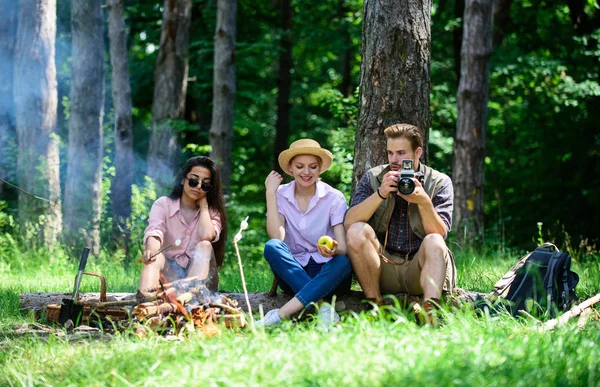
(236, 239)
(177, 243)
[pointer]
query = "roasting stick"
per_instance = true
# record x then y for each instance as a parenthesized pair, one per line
(236, 239)
(177, 243)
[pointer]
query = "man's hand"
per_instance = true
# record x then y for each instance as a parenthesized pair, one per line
(272, 182)
(326, 251)
(389, 184)
(419, 196)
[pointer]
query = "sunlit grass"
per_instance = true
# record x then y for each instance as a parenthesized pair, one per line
(466, 350)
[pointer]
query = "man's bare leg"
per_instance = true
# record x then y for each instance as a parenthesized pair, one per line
(433, 265)
(363, 248)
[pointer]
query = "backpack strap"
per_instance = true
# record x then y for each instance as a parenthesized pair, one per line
(565, 277)
(550, 246)
(549, 279)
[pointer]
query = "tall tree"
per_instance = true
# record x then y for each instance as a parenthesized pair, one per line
(284, 80)
(347, 52)
(583, 23)
(170, 86)
(471, 126)
(121, 95)
(394, 81)
(457, 35)
(35, 99)
(221, 129)
(501, 19)
(8, 30)
(83, 187)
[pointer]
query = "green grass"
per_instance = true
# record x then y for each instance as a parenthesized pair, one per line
(466, 350)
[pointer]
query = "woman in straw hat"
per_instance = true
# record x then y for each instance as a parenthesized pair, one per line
(298, 214)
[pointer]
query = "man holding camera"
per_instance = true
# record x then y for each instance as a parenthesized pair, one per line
(396, 237)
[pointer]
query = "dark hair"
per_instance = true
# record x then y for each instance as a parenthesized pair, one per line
(214, 197)
(410, 132)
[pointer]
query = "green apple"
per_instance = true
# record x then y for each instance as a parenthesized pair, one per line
(326, 240)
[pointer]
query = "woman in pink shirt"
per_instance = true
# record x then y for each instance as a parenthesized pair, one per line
(298, 214)
(190, 225)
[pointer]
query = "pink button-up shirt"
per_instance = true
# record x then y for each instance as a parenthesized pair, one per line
(303, 229)
(167, 224)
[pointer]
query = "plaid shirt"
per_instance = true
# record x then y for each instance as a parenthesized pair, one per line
(401, 239)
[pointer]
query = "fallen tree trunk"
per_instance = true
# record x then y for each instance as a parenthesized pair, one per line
(353, 300)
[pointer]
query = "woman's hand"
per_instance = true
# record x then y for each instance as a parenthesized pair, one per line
(202, 203)
(326, 251)
(149, 256)
(272, 182)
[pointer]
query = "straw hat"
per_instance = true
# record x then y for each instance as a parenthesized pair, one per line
(305, 147)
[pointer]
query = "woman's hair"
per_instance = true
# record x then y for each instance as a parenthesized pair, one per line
(319, 160)
(214, 197)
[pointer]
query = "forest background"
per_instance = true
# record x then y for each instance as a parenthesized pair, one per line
(542, 158)
(100, 101)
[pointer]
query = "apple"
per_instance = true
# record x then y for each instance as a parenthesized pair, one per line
(326, 240)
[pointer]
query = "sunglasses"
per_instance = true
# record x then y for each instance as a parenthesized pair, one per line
(194, 183)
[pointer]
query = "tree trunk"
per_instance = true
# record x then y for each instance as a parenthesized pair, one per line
(35, 99)
(501, 19)
(354, 300)
(346, 54)
(221, 129)
(8, 31)
(83, 187)
(394, 81)
(459, 11)
(121, 94)
(170, 85)
(471, 127)
(284, 82)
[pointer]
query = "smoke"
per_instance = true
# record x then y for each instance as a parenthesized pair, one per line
(8, 136)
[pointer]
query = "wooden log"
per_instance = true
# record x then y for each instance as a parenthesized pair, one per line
(353, 301)
(573, 312)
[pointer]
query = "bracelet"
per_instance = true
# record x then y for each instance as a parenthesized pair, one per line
(378, 193)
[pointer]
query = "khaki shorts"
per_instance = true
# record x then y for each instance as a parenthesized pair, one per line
(406, 278)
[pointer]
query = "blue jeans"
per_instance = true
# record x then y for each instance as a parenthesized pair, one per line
(312, 282)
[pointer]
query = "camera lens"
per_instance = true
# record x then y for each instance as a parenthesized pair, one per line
(406, 186)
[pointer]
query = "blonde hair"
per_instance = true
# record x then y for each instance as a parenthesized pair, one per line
(408, 131)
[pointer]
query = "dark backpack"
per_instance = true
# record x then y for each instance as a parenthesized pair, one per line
(541, 283)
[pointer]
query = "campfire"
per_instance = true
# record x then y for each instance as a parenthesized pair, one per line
(186, 304)
(177, 305)
(183, 305)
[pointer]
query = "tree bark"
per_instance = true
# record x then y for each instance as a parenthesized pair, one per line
(394, 81)
(83, 188)
(221, 129)
(8, 31)
(35, 98)
(170, 86)
(472, 101)
(284, 82)
(121, 95)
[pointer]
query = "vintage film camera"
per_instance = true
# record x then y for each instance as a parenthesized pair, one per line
(406, 184)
